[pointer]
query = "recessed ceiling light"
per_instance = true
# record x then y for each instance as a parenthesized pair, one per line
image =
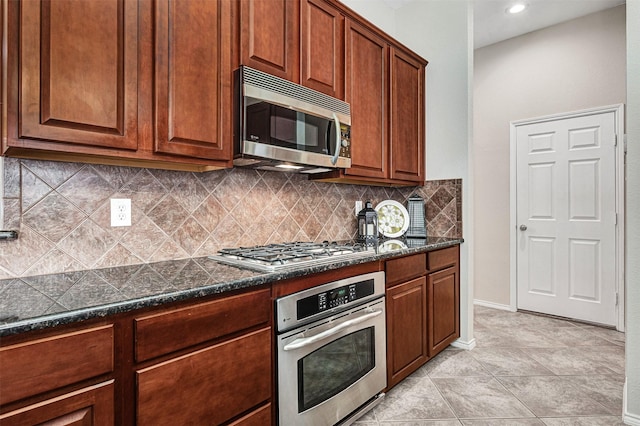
(517, 8)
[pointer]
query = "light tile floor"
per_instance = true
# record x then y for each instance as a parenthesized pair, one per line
(525, 370)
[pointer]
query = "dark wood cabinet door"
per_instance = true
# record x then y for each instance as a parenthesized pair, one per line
(406, 329)
(78, 72)
(192, 78)
(269, 37)
(93, 406)
(444, 308)
(407, 117)
(322, 47)
(209, 386)
(366, 84)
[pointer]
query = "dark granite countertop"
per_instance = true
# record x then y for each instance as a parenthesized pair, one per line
(43, 301)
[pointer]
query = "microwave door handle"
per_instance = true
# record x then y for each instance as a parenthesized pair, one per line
(334, 159)
(306, 341)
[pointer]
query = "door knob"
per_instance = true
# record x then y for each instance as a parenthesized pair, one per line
(523, 227)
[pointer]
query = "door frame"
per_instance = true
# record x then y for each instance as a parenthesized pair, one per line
(618, 111)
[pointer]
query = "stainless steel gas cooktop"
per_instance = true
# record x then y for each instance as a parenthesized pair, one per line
(286, 256)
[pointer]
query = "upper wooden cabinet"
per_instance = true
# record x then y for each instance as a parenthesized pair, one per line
(385, 88)
(139, 83)
(192, 78)
(78, 72)
(407, 117)
(269, 39)
(149, 82)
(298, 40)
(322, 40)
(367, 77)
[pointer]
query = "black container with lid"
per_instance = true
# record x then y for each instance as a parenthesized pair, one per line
(368, 225)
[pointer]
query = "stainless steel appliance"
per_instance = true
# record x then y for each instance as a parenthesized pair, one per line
(417, 225)
(280, 125)
(331, 351)
(286, 256)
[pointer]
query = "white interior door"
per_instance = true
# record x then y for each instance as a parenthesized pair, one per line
(566, 217)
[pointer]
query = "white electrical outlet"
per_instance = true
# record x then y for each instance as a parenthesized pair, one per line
(120, 212)
(358, 207)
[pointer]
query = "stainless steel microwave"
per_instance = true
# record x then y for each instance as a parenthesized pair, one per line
(280, 125)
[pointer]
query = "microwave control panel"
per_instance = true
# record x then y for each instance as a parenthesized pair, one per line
(345, 141)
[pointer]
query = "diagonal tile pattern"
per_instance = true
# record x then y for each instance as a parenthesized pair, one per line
(62, 211)
(572, 378)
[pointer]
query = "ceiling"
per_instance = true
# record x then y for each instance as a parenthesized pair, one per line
(492, 24)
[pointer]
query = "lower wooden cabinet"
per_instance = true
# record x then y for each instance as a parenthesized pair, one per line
(91, 406)
(52, 363)
(259, 417)
(406, 329)
(423, 313)
(444, 308)
(203, 362)
(209, 386)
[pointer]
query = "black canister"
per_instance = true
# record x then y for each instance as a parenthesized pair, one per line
(368, 225)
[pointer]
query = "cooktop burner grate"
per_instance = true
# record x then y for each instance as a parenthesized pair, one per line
(274, 257)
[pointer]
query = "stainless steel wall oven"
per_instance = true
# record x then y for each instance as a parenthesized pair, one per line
(331, 351)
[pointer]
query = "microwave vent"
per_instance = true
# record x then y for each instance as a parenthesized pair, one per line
(276, 84)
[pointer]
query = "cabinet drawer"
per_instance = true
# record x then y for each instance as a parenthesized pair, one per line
(439, 259)
(50, 363)
(209, 386)
(405, 268)
(169, 331)
(88, 406)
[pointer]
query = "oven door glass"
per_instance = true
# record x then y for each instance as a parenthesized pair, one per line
(274, 125)
(334, 367)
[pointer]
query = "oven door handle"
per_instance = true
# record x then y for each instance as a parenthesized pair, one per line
(306, 341)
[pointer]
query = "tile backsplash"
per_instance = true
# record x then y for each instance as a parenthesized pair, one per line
(62, 211)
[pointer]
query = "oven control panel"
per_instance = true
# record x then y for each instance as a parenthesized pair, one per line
(327, 299)
(333, 298)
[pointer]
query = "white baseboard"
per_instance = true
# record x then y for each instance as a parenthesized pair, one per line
(631, 419)
(493, 305)
(464, 345)
(628, 418)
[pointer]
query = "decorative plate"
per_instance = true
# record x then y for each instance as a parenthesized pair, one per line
(391, 245)
(393, 218)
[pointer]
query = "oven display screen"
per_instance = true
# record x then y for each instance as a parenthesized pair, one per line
(334, 367)
(333, 298)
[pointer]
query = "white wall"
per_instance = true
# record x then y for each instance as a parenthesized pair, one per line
(632, 389)
(1, 193)
(375, 11)
(441, 31)
(567, 67)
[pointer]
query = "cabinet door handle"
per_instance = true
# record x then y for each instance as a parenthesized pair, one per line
(523, 227)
